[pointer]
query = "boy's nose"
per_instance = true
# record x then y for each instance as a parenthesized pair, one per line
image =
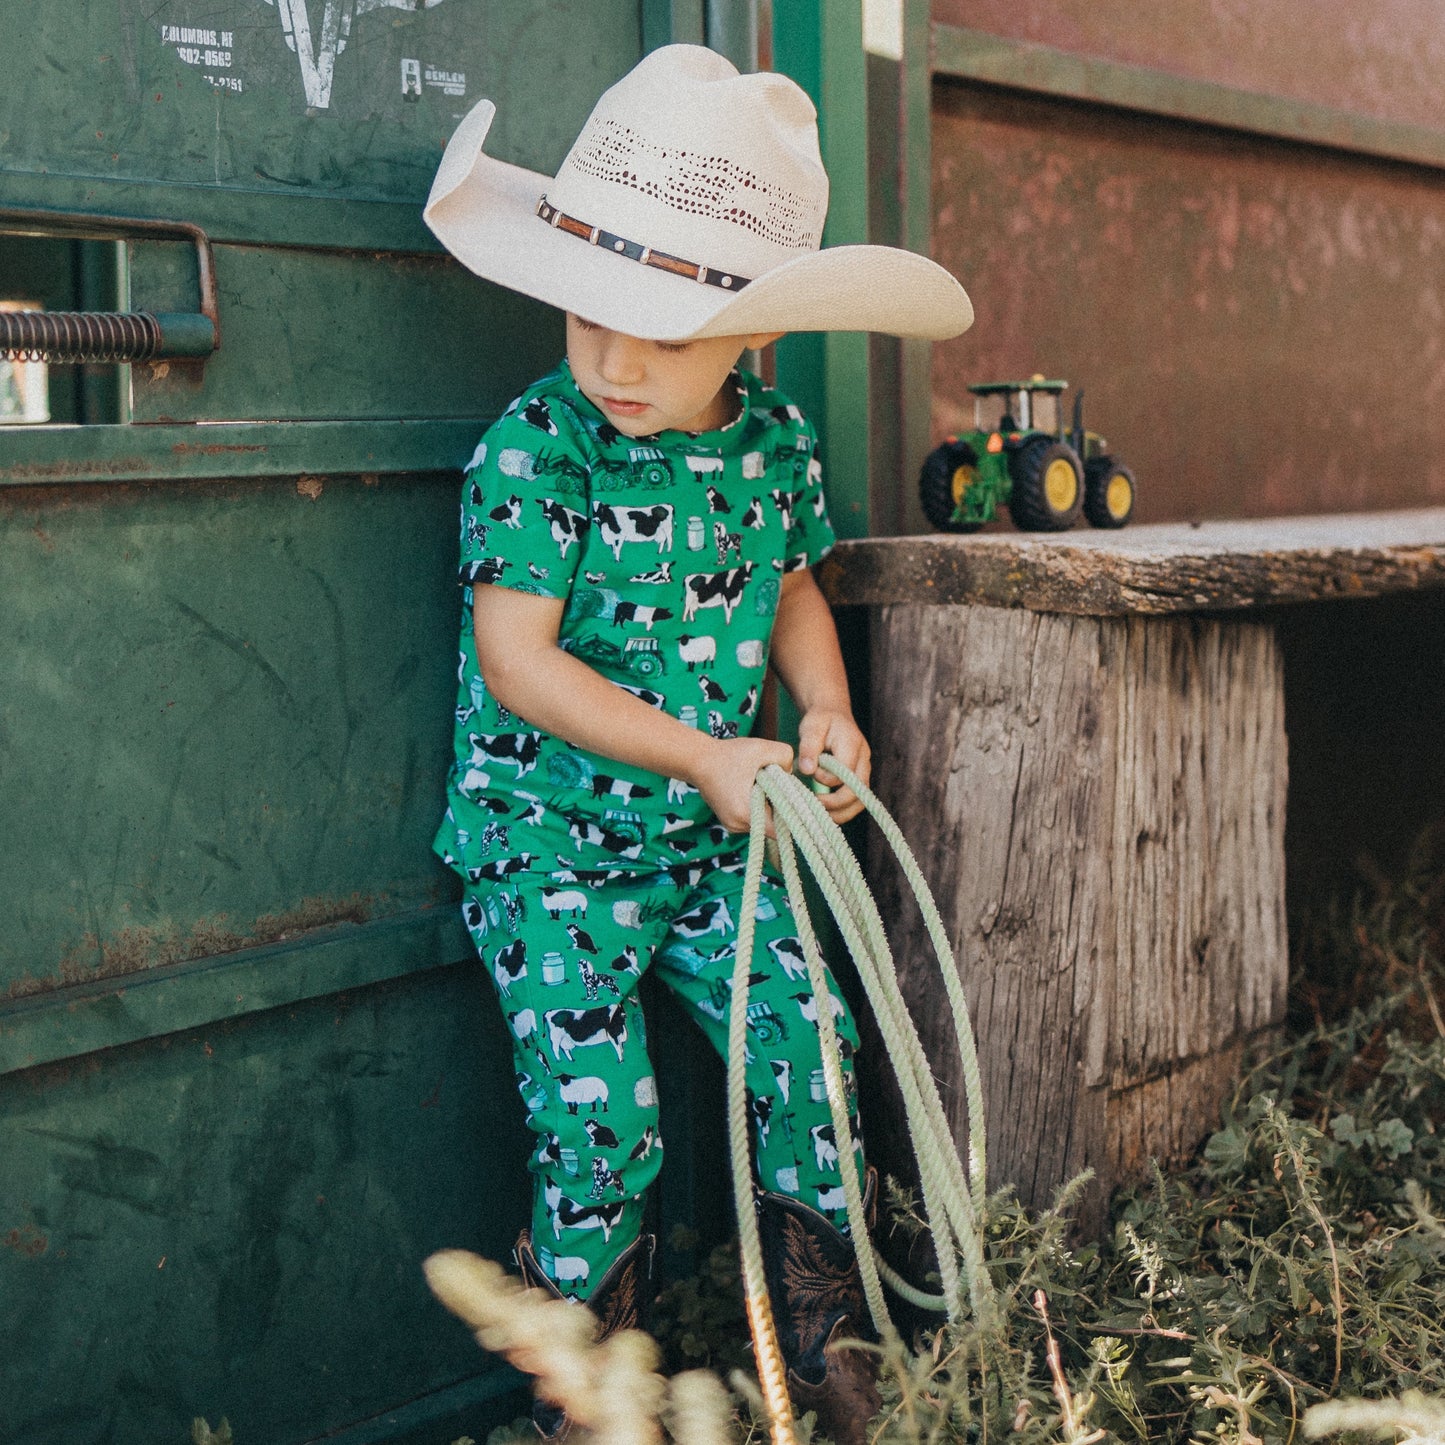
(620, 358)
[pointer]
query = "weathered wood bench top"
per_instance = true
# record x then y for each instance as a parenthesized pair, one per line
(1174, 567)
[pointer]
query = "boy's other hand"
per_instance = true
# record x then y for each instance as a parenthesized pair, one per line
(825, 730)
(726, 773)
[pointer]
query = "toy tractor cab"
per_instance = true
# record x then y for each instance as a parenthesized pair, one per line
(1018, 455)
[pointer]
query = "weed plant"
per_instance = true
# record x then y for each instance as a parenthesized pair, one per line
(1299, 1259)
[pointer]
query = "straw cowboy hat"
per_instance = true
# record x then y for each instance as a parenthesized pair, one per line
(690, 205)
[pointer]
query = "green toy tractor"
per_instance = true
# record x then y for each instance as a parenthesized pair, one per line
(1018, 455)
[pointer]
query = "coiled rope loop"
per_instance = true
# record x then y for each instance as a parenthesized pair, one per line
(952, 1198)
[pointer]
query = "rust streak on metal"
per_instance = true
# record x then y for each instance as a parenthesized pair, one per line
(136, 950)
(58, 471)
(27, 1241)
(214, 449)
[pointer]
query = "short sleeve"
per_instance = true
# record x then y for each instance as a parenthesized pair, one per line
(810, 534)
(524, 508)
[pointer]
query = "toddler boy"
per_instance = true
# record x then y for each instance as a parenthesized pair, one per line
(637, 533)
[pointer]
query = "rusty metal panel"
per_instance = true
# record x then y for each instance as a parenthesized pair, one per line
(1383, 59)
(988, 59)
(1260, 327)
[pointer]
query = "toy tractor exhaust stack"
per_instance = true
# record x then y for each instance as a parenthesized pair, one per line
(1019, 456)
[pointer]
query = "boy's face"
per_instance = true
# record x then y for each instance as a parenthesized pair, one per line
(643, 387)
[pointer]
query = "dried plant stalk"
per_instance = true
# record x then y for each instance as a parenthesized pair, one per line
(612, 1389)
(1414, 1418)
(699, 1410)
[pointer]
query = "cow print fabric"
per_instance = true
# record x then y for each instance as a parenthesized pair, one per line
(581, 874)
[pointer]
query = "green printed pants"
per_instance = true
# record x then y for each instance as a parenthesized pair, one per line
(566, 958)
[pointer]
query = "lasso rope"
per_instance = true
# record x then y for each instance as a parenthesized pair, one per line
(953, 1200)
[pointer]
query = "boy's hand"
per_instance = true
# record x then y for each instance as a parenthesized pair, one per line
(726, 773)
(824, 730)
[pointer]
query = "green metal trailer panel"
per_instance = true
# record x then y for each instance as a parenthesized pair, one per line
(311, 333)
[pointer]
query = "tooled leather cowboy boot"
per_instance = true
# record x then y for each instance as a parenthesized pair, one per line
(619, 1301)
(817, 1294)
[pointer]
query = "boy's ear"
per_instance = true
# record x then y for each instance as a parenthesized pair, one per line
(760, 339)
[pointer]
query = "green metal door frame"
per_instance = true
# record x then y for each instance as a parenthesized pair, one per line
(915, 163)
(728, 26)
(819, 43)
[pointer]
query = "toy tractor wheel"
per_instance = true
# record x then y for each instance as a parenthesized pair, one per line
(1048, 486)
(947, 473)
(1108, 492)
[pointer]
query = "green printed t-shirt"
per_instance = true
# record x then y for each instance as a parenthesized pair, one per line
(669, 551)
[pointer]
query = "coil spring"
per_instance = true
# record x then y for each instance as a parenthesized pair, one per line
(67, 338)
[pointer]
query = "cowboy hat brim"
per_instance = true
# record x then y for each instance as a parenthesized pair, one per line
(484, 212)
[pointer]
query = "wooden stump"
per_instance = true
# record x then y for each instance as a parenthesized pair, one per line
(1099, 804)
(1093, 773)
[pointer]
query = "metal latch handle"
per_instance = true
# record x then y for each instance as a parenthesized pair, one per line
(69, 337)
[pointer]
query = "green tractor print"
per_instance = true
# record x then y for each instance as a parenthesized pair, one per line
(1019, 456)
(762, 1018)
(641, 657)
(646, 467)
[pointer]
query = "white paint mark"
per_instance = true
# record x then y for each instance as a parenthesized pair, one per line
(317, 59)
(317, 50)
